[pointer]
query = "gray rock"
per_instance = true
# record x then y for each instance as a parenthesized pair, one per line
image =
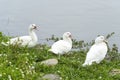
(50, 62)
(51, 77)
(114, 72)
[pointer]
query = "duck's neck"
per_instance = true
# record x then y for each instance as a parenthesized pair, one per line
(68, 40)
(33, 35)
(100, 43)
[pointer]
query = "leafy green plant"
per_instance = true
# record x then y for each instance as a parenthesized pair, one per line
(22, 63)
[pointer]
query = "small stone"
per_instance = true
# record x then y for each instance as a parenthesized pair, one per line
(50, 62)
(51, 77)
(115, 72)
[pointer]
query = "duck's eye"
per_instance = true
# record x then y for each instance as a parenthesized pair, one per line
(68, 34)
(102, 37)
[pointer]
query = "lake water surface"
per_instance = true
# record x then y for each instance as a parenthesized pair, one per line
(85, 19)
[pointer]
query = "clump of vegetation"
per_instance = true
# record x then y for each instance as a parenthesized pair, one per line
(22, 63)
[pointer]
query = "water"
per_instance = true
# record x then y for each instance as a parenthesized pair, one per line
(85, 19)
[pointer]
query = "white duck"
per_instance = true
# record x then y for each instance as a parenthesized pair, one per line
(97, 52)
(22, 41)
(62, 46)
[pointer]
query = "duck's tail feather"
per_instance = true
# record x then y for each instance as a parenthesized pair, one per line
(84, 64)
(50, 50)
(53, 51)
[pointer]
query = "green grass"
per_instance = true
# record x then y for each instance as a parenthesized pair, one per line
(24, 64)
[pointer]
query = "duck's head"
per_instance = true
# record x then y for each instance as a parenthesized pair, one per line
(33, 27)
(100, 39)
(67, 35)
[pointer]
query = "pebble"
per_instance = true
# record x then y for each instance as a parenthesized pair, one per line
(114, 72)
(50, 62)
(51, 77)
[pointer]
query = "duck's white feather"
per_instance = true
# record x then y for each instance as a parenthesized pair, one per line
(62, 46)
(23, 41)
(96, 53)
